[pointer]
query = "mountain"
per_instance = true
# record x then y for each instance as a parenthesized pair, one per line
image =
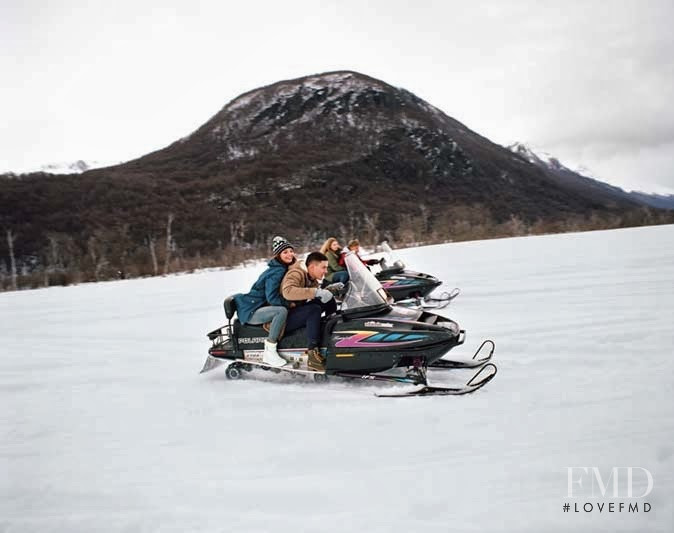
(659, 201)
(570, 179)
(338, 153)
(587, 185)
(76, 167)
(73, 167)
(348, 131)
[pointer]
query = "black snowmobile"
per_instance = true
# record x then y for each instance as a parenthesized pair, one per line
(408, 288)
(368, 338)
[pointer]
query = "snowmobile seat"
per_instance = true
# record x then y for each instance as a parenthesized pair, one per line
(298, 337)
(230, 306)
(329, 325)
(293, 339)
(360, 312)
(391, 270)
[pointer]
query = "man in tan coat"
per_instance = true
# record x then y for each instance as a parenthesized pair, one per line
(307, 302)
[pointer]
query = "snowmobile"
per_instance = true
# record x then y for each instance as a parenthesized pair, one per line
(368, 338)
(409, 288)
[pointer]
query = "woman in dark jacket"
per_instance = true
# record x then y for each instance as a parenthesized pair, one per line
(264, 303)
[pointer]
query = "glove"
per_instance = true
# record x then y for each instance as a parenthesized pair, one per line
(335, 287)
(324, 295)
(373, 261)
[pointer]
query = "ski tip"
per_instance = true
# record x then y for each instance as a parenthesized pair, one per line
(211, 363)
(483, 376)
(487, 342)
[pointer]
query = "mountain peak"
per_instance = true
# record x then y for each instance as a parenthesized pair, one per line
(328, 109)
(540, 159)
(338, 82)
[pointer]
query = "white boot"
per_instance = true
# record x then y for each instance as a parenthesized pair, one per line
(270, 356)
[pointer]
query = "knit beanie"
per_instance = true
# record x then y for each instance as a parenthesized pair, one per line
(278, 244)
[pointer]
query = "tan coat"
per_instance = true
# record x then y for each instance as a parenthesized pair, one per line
(296, 286)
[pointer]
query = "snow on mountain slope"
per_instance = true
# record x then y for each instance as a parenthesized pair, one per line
(75, 167)
(107, 426)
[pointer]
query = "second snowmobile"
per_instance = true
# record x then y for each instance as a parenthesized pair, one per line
(409, 288)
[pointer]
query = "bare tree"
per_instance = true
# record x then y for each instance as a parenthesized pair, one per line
(153, 254)
(515, 226)
(122, 244)
(236, 232)
(54, 261)
(424, 216)
(91, 248)
(10, 243)
(371, 224)
(51, 258)
(169, 243)
(97, 257)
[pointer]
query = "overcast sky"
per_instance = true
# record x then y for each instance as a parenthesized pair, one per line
(589, 82)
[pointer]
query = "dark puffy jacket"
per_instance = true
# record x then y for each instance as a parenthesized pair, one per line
(265, 291)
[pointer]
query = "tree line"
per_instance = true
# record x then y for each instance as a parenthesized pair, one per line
(117, 252)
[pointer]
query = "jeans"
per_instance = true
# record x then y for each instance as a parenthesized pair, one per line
(340, 277)
(309, 315)
(275, 314)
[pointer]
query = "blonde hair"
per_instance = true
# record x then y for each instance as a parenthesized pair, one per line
(327, 244)
(354, 242)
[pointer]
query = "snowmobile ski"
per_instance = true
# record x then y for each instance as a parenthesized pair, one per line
(431, 302)
(481, 357)
(443, 296)
(483, 376)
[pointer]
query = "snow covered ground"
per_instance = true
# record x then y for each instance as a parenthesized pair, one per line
(106, 425)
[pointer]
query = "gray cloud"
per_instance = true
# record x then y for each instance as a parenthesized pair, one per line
(588, 81)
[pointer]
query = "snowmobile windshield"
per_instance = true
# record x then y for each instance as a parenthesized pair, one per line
(364, 289)
(391, 261)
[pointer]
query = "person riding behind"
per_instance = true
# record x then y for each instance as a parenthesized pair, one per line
(307, 302)
(337, 272)
(354, 246)
(264, 303)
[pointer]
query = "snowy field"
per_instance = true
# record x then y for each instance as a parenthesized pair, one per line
(106, 425)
